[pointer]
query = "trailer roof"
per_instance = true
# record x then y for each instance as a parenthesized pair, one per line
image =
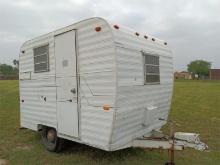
(136, 33)
(111, 24)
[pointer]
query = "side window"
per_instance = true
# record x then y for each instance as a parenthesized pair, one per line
(151, 69)
(41, 59)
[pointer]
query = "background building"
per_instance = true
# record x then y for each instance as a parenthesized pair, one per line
(182, 75)
(214, 74)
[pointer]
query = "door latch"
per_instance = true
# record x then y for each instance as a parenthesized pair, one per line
(73, 90)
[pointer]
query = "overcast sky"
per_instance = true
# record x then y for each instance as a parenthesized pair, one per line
(191, 27)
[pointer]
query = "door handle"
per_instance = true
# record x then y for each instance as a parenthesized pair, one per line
(70, 100)
(73, 90)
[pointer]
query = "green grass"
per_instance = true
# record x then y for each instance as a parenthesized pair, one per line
(195, 108)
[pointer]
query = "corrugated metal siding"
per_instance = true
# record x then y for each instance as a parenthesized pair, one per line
(97, 83)
(27, 59)
(132, 95)
(34, 110)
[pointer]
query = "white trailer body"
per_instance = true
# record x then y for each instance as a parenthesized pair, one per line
(95, 83)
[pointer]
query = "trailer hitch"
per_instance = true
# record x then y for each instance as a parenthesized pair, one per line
(173, 141)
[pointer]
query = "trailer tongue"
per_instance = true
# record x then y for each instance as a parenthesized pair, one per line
(175, 141)
(190, 140)
(181, 140)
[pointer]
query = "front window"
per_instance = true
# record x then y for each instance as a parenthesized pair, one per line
(41, 59)
(151, 69)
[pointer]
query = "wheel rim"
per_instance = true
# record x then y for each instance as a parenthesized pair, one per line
(51, 135)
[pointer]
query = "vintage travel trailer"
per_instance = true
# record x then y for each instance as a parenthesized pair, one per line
(95, 83)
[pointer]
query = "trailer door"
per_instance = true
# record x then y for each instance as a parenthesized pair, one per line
(66, 81)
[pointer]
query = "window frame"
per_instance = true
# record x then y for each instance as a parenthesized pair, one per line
(48, 57)
(144, 54)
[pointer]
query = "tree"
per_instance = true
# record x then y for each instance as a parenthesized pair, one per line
(199, 67)
(6, 69)
(16, 63)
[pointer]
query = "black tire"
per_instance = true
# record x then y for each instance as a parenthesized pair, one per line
(169, 163)
(52, 143)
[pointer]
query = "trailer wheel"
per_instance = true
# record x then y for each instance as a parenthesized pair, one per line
(50, 140)
(169, 163)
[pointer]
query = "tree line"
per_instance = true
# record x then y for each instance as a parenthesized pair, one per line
(9, 71)
(199, 69)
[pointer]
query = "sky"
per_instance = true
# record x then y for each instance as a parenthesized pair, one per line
(190, 27)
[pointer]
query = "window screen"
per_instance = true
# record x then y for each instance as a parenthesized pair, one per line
(151, 69)
(41, 59)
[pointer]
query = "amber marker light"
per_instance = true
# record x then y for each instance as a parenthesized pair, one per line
(106, 107)
(116, 26)
(146, 37)
(98, 29)
(137, 34)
